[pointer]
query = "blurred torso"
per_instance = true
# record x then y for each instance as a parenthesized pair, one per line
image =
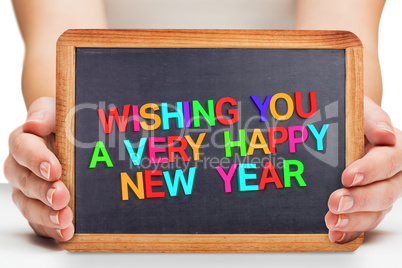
(201, 14)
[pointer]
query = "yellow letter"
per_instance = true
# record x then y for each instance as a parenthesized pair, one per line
(126, 181)
(196, 146)
(151, 116)
(261, 145)
(274, 109)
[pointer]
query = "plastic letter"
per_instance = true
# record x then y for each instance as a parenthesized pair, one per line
(287, 174)
(243, 176)
(137, 189)
(100, 147)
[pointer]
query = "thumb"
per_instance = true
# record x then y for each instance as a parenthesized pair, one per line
(41, 119)
(378, 128)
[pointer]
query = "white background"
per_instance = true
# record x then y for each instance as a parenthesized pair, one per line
(20, 248)
(12, 107)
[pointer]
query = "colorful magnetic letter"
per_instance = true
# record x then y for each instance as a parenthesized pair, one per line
(149, 183)
(273, 141)
(136, 119)
(173, 187)
(274, 109)
(136, 157)
(313, 105)
(243, 176)
(166, 115)
(172, 149)
(262, 107)
(233, 112)
(198, 109)
(196, 145)
(150, 116)
(114, 113)
(152, 150)
(296, 174)
(269, 168)
(262, 144)
(292, 137)
(137, 189)
(319, 136)
(227, 178)
(100, 147)
(229, 144)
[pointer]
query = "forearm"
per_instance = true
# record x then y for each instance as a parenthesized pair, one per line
(41, 22)
(361, 17)
(38, 76)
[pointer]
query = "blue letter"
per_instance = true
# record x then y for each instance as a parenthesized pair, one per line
(136, 157)
(166, 115)
(242, 177)
(262, 107)
(187, 185)
(318, 136)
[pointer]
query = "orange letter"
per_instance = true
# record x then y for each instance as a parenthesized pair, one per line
(151, 116)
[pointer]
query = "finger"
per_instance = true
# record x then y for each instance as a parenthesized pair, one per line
(354, 222)
(41, 119)
(31, 152)
(57, 234)
(377, 196)
(38, 213)
(377, 125)
(54, 194)
(381, 162)
(341, 237)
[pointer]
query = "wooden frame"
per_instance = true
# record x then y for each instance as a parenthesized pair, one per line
(65, 102)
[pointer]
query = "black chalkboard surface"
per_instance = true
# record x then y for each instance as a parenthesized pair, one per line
(185, 76)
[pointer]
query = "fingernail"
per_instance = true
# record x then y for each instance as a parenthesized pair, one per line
(345, 203)
(54, 217)
(49, 195)
(59, 233)
(386, 127)
(342, 221)
(340, 239)
(36, 116)
(357, 179)
(45, 170)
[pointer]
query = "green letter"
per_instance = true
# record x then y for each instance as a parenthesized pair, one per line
(296, 174)
(240, 143)
(96, 158)
(198, 109)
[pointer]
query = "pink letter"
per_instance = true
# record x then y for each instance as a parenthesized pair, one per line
(152, 150)
(136, 120)
(228, 178)
(293, 140)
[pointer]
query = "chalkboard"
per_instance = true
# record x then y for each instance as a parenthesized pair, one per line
(315, 86)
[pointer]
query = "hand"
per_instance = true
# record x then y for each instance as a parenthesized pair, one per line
(372, 183)
(34, 171)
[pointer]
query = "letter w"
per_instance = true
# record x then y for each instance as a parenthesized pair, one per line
(187, 185)
(113, 112)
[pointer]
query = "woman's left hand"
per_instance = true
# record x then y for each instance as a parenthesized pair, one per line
(372, 183)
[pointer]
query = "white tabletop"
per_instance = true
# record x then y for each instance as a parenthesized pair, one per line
(19, 247)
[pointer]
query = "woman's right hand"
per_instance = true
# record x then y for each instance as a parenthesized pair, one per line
(34, 172)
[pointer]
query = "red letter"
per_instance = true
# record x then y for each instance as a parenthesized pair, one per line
(273, 141)
(265, 180)
(150, 183)
(313, 105)
(113, 112)
(233, 112)
(180, 149)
